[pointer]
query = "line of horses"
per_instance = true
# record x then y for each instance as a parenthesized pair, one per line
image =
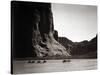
(44, 61)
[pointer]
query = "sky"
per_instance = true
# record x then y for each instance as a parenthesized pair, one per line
(76, 22)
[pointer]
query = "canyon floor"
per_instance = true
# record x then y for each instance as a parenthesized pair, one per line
(23, 67)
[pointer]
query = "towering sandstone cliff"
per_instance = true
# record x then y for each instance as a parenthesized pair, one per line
(33, 31)
(43, 40)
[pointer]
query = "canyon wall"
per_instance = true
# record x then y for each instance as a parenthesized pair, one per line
(33, 33)
(44, 37)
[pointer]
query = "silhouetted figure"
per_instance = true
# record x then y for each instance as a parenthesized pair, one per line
(33, 61)
(66, 61)
(29, 61)
(44, 61)
(38, 61)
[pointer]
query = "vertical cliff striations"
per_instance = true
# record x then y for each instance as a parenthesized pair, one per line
(44, 37)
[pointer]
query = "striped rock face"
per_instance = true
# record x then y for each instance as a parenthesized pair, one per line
(44, 40)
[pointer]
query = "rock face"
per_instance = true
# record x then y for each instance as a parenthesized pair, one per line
(68, 44)
(44, 37)
(33, 33)
(86, 48)
(83, 49)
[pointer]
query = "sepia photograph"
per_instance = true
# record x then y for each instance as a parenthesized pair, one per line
(53, 37)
